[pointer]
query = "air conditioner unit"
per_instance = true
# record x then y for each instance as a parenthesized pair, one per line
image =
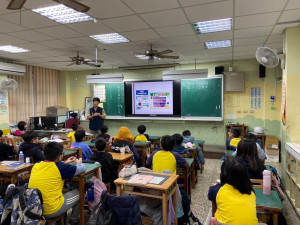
(106, 78)
(12, 69)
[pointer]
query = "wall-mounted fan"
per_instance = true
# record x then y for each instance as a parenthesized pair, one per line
(79, 60)
(152, 54)
(9, 84)
(18, 4)
(268, 57)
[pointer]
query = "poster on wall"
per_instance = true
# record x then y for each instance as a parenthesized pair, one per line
(88, 105)
(283, 102)
(256, 98)
(99, 91)
(3, 103)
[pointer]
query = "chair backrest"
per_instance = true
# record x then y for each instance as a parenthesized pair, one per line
(75, 149)
(257, 183)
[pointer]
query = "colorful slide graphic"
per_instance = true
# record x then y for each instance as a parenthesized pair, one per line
(153, 98)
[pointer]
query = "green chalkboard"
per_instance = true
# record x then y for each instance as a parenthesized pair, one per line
(115, 102)
(201, 97)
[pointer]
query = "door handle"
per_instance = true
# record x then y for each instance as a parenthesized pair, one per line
(219, 106)
(216, 107)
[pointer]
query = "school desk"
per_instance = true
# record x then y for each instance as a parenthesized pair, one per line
(201, 144)
(92, 144)
(91, 169)
(68, 154)
(12, 175)
(122, 159)
(229, 153)
(155, 140)
(142, 148)
(270, 203)
(168, 188)
(52, 132)
(186, 174)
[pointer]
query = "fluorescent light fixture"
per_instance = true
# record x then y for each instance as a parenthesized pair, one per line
(185, 74)
(213, 26)
(217, 44)
(63, 14)
(113, 38)
(13, 49)
(107, 78)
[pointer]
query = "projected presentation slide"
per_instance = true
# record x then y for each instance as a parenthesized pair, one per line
(152, 98)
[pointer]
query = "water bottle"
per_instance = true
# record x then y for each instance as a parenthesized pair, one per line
(21, 157)
(267, 182)
(90, 191)
(27, 160)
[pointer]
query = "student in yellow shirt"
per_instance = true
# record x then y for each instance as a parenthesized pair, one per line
(234, 196)
(142, 136)
(75, 127)
(234, 139)
(48, 176)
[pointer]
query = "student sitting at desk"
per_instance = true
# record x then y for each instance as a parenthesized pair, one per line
(234, 196)
(234, 139)
(165, 159)
(179, 148)
(125, 137)
(22, 126)
(187, 137)
(260, 152)
(31, 147)
(48, 176)
(75, 127)
(86, 151)
(142, 136)
(105, 159)
(247, 155)
(7, 147)
(104, 133)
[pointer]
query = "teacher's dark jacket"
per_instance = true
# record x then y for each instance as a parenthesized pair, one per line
(96, 122)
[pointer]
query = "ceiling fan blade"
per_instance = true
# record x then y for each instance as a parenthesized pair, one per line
(168, 56)
(74, 5)
(16, 4)
(71, 64)
(60, 61)
(165, 52)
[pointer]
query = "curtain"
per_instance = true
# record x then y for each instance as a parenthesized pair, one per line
(20, 100)
(33, 94)
(45, 89)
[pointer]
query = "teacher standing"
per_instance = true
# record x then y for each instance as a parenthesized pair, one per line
(96, 116)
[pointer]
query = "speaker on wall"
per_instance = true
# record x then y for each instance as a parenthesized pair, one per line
(219, 70)
(262, 71)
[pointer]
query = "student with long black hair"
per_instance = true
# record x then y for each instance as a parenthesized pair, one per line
(248, 156)
(234, 196)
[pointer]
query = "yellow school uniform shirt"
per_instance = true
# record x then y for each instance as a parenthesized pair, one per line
(46, 177)
(164, 160)
(234, 142)
(141, 138)
(235, 208)
(72, 134)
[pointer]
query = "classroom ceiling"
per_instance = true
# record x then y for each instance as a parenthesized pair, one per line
(166, 24)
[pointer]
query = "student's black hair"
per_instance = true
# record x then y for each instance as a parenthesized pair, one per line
(79, 135)
(21, 125)
(74, 126)
(1, 133)
(141, 129)
(236, 132)
(186, 133)
(96, 99)
(167, 142)
(251, 137)
(104, 129)
(52, 150)
(247, 148)
(29, 136)
(235, 173)
(178, 139)
(100, 144)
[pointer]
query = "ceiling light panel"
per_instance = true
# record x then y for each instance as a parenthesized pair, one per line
(13, 49)
(213, 26)
(113, 38)
(63, 14)
(217, 44)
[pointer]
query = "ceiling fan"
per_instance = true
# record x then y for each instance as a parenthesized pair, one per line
(152, 54)
(79, 60)
(18, 4)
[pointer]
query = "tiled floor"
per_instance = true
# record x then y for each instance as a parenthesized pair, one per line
(201, 205)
